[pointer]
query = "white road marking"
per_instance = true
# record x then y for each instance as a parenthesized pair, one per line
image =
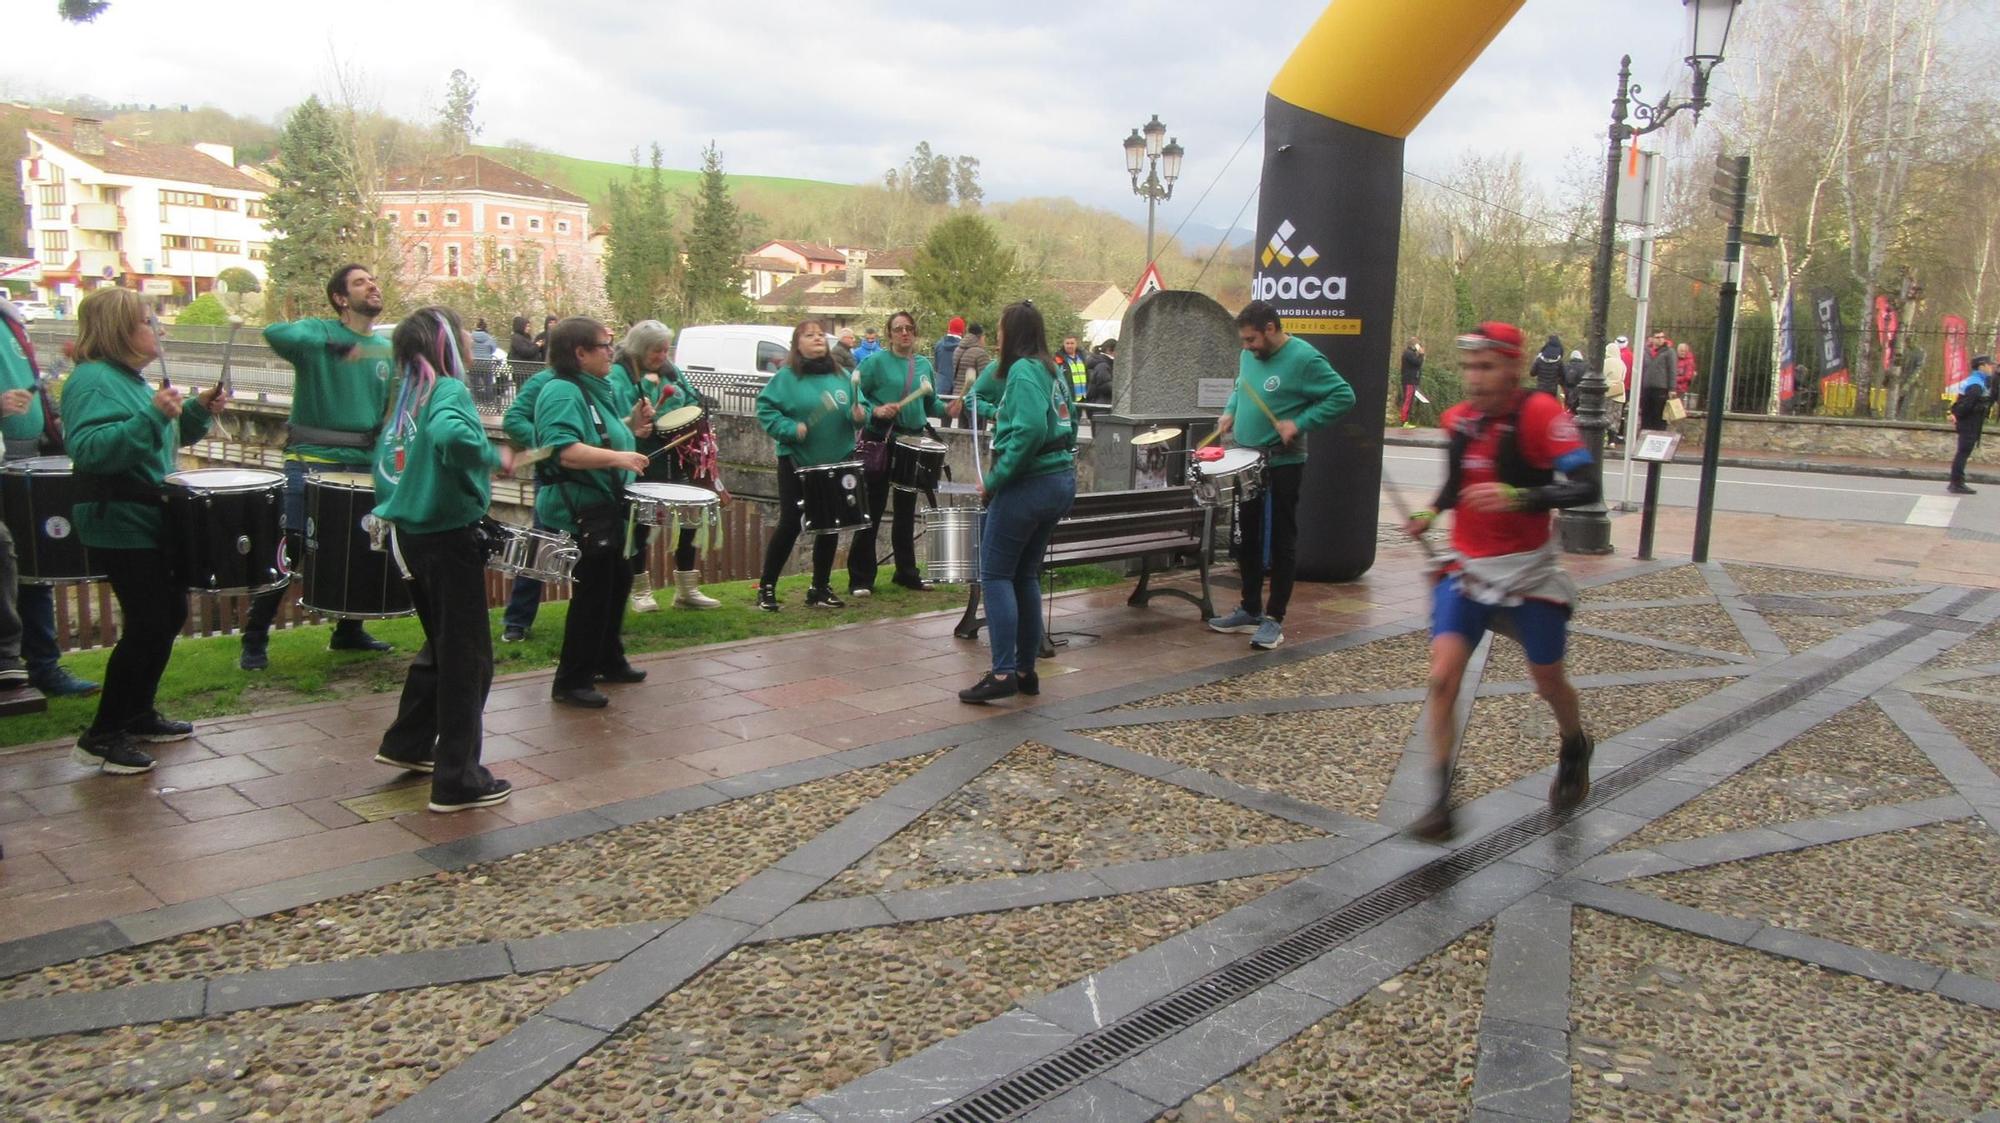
(1932, 510)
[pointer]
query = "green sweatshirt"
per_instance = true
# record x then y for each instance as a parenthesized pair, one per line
(670, 393)
(113, 430)
(986, 391)
(1033, 434)
(519, 420)
(447, 466)
(789, 400)
(883, 375)
(331, 390)
(1298, 385)
(563, 418)
(17, 373)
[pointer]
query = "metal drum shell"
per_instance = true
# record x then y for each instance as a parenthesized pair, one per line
(951, 544)
(37, 497)
(664, 504)
(343, 574)
(539, 555)
(916, 463)
(1237, 476)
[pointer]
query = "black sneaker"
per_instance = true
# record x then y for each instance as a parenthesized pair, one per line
(917, 584)
(1960, 489)
(256, 651)
(406, 765)
(357, 639)
(111, 752)
(1572, 782)
(822, 597)
(767, 598)
(581, 696)
(989, 688)
(1030, 683)
(625, 674)
(511, 634)
(447, 801)
(158, 729)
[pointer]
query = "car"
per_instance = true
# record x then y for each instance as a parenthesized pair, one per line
(32, 310)
(739, 349)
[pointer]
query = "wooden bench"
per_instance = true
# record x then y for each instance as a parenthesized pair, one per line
(1109, 526)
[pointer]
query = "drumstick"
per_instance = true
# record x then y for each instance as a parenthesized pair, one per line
(1403, 508)
(1260, 403)
(166, 379)
(228, 345)
(533, 456)
(827, 406)
(913, 395)
(1210, 439)
(680, 440)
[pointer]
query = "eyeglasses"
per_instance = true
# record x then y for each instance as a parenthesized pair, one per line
(902, 329)
(601, 345)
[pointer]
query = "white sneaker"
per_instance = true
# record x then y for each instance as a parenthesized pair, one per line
(644, 602)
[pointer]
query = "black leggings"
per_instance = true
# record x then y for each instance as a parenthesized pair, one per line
(791, 518)
(685, 552)
(861, 561)
(152, 606)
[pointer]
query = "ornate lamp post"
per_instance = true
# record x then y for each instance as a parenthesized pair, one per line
(1587, 530)
(1162, 164)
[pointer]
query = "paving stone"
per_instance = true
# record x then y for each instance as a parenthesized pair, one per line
(312, 888)
(945, 1072)
(759, 900)
(1971, 989)
(812, 918)
(175, 920)
(500, 1075)
(849, 840)
(1847, 957)
(667, 804)
(1523, 1069)
(60, 946)
(348, 977)
(628, 987)
(1096, 1101)
(994, 894)
(1640, 906)
(1528, 979)
(94, 1010)
(1215, 865)
(509, 841)
(1205, 1052)
(580, 947)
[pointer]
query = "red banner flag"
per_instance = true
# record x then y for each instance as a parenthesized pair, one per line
(1957, 362)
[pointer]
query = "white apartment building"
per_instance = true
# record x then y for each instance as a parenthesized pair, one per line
(159, 218)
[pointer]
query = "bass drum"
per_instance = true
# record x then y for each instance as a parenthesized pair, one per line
(345, 575)
(227, 528)
(37, 495)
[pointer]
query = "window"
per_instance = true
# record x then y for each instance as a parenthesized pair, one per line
(224, 246)
(771, 356)
(423, 218)
(256, 208)
(51, 194)
(173, 241)
(451, 218)
(393, 218)
(506, 222)
(450, 260)
(507, 254)
(52, 214)
(562, 226)
(534, 224)
(260, 251)
(55, 241)
(423, 261)
(197, 199)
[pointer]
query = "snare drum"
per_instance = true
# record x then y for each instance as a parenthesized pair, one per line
(227, 528)
(684, 425)
(538, 555)
(832, 497)
(37, 494)
(346, 575)
(662, 505)
(1236, 475)
(915, 463)
(951, 544)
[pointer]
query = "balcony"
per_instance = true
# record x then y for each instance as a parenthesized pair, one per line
(98, 263)
(98, 216)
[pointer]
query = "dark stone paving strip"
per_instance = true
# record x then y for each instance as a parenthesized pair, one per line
(1833, 955)
(93, 1010)
(497, 1077)
(1633, 605)
(1523, 1066)
(1659, 644)
(1777, 838)
(1960, 766)
(1404, 799)
(1203, 782)
(1256, 707)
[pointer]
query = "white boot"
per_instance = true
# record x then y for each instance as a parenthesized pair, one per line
(642, 593)
(687, 583)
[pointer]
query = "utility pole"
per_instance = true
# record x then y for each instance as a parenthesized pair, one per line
(1731, 190)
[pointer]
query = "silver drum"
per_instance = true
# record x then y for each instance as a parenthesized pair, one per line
(657, 504)
(1238, 475)
(951, 544)
(539, 555)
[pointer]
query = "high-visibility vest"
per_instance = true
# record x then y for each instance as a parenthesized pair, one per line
(1079, 373)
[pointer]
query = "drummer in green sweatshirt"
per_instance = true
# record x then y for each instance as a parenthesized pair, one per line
(811, 411)
(644, 371)
(340, 388)
(1284, 389)
(123, 435)
(898, 389)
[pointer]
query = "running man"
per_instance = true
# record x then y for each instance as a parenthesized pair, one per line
(1515, 456)
(1284, 389)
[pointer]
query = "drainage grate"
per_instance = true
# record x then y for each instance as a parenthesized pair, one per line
(1015, 1095)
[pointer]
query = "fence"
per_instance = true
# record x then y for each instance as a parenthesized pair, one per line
(731, 550)
(1922, 359)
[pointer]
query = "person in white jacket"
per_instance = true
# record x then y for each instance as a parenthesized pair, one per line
(1615, 376)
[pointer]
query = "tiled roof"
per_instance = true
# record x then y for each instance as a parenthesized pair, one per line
(474, 172)
(893, 259)
(768, 264)
(158, 161)
(1081, 294)
(813, 252)
(815, 291)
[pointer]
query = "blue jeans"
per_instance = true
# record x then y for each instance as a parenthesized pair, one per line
(37, 605)
(1020, 519)
(525, 600)
(264, 606)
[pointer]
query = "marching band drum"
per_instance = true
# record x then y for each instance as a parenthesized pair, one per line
(346, 572)
(832, 498)
(36, 496)
(227, 529)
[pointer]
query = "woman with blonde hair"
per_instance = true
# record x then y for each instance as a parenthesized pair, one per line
(122, 437)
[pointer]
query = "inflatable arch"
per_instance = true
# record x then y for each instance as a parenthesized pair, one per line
(1329, 219)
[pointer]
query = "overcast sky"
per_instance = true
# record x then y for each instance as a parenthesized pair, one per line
(1042, 92)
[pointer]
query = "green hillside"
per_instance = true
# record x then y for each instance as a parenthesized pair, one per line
(592, 178)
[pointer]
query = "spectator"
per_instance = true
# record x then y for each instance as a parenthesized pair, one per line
(870, 344)
(1548, 367)
(1625, 357)
(1684, 371)
(1573, 373)
(1616, 381)
(946, 348)
(1656, 382)
(521, 348)
(542, 339)
(844, 355)
(481, 367)
(1099, 392)
(1413, 376)
(970, 358)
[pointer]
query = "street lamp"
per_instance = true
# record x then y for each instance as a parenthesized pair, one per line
(1162, 165)
(1587, 530)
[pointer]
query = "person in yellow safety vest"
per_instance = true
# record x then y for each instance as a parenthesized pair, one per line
(1076, 366)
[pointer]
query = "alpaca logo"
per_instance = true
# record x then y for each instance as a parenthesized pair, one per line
(1291, 286)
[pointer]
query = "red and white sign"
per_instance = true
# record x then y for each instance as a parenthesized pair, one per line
(1149, 283)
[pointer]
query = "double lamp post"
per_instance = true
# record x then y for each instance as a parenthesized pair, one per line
(1162, 165)
(1587, 530)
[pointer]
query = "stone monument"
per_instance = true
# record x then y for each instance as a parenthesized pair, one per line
(1177, 356)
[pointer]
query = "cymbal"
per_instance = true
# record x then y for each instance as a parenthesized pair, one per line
(1155, 436)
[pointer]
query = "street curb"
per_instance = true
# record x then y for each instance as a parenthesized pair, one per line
(1886, 472)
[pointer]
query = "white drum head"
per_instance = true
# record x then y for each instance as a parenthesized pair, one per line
(669, 493)
(226, 479)
(1233, 460)
(677, 418)
(48, 464)
(352, 481)
(921, 444)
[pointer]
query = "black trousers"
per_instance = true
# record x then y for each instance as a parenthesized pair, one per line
(593, 637)
(1281, 483)
(152, 606)
(444, 694)
(1653, 408)
(684, 551)
(791, 519)
(861, 559)
(1967, 441)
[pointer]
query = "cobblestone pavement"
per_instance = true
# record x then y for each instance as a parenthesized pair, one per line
(1172, 887)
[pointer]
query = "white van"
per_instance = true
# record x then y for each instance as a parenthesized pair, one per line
(745, 349)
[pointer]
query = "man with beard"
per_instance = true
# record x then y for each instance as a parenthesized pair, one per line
(340, 391)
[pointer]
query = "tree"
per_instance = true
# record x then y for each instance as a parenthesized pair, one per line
(240, 279)
(461, 97)
(933, 177)
(641, 265)
(81, 11)
(965, 181)
(713, 289)
(320, 217)
(962, 269)
(205, 310)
